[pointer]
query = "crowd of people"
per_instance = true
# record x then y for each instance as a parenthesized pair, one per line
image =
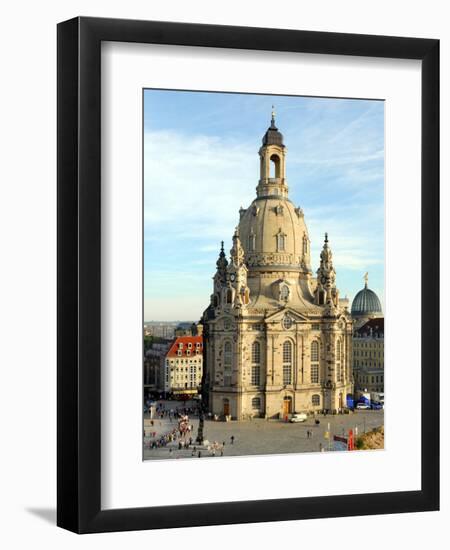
(181, 436)
(182, 432)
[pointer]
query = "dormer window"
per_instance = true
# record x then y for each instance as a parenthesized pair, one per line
(281, 242)
(284, 293)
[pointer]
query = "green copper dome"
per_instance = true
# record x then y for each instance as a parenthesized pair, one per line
(366, 302)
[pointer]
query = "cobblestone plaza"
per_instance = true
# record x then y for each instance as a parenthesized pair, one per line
(259, 436)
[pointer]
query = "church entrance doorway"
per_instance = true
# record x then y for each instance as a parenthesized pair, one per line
(226, 407)
(287, 405)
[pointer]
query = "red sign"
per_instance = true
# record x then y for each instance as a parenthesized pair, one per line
(350, 446)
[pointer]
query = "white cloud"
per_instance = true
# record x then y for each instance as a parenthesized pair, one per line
(194, 186)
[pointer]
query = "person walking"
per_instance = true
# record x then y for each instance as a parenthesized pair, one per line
(232, 439)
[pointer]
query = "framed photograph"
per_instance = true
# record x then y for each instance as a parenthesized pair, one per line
(248, 275)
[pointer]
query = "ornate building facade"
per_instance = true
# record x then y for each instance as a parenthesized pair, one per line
(368, 356)
(368, 341)
(277, 340)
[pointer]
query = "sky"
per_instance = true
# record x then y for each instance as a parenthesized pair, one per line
(201, 164)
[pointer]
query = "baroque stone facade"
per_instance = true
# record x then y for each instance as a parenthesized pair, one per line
(368, 356)
(277, 340)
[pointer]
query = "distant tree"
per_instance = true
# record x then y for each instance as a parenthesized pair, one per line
(148, 342)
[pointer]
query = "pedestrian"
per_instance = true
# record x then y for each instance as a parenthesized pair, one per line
(232, 439)
(221, 452)
(223, 443)
(199, 454)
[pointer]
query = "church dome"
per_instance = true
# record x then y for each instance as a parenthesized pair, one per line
(366, 303)
(272, 230)
(273, 233)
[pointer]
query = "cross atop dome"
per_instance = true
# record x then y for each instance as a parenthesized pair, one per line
(272, 122)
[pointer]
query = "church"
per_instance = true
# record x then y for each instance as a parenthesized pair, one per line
(277, 339)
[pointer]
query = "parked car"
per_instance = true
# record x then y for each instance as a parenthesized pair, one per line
(299, 417)
(377, 406)
(362, 406)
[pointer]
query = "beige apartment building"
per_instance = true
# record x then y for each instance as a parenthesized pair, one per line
(368, 356)
(277, 339)
(183, 367)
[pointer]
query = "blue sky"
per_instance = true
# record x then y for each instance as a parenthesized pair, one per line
(201, 164)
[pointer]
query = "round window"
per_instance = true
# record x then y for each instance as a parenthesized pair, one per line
(287, 322)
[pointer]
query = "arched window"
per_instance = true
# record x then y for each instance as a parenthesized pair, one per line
(227, 354)
(287, 363)
(229, 296)
(338, 361)
(227, 363)
(281, 242)
(256, 403)
(256, 352)
(315, 400)
(251, 242)
(315, 377)
(321, 297)
(274, 166)
(256, 367)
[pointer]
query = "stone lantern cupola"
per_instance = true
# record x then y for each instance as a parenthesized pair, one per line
(272, 181)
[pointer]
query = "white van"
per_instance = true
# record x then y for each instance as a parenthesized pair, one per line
(299, 417)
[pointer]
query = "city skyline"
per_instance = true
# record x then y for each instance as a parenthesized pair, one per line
(201, 163)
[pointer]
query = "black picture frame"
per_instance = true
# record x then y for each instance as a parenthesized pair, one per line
(79, 275)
